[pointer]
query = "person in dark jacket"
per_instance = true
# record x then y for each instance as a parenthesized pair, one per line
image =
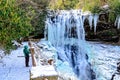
(26, 54)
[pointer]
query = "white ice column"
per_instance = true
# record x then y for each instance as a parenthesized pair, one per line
(96, 16)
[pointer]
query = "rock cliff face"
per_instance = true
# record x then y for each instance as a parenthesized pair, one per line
(105, 30)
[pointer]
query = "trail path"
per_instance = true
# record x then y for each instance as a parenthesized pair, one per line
(12, 67)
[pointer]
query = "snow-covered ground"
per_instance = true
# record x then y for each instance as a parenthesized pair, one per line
(12, 67)
(104, 58)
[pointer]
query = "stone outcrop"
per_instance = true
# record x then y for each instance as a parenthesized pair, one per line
(105, 31)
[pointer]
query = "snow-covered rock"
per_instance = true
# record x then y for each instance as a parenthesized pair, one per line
(42, 71)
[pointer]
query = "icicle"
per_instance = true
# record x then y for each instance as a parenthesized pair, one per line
(45, 31)
(117, 22)
(83, 18)
(96, 16)
(90, 19)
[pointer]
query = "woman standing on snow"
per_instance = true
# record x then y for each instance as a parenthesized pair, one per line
(26, 53)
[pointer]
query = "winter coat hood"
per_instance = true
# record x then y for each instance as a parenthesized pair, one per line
(26, 47)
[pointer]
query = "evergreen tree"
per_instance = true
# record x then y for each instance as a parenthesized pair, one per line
(14, 23)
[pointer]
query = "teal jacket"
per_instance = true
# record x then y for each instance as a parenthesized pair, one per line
(26, 51)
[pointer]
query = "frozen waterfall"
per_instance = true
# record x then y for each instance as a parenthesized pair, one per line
(66, 33)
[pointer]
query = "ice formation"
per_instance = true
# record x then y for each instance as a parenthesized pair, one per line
(65, 31)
